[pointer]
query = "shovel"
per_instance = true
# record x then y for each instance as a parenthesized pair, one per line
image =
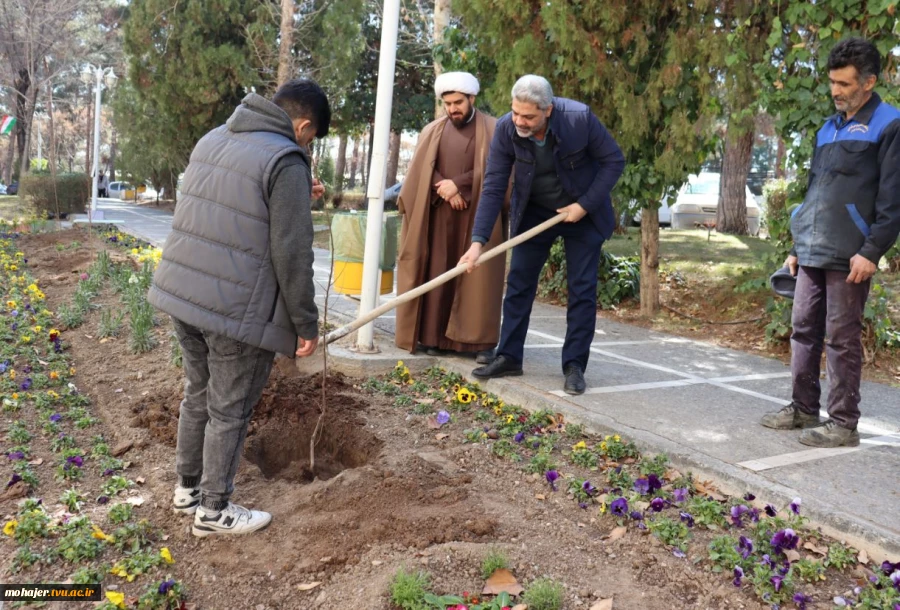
(314, 362)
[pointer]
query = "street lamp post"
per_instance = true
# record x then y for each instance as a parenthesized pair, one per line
(95, 75)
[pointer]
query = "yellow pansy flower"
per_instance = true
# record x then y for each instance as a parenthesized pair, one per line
(116, 598)
(166, 555)
(579, 446)
(465, 396)
(99, 535)
(10, 528)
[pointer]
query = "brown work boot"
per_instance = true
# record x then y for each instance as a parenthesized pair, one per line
(788, 418)
(830, 434)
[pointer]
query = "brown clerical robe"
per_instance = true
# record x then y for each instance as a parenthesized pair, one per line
(463, 314)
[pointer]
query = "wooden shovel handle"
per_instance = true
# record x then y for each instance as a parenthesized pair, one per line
(441, 279)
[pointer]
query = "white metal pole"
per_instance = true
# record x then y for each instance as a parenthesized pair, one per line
(372, 258)
(96, 145)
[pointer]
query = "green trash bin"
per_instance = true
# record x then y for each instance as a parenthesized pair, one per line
(348, 236)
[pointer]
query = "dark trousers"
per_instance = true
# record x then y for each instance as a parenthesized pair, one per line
(223, 381)
(582, 242)
(827, 315)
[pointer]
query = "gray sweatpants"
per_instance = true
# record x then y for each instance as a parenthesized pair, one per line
(825, 305)
(223, 381)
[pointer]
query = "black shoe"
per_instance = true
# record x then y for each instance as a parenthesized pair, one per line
(501, 366)
(485, 356)
(574, 380)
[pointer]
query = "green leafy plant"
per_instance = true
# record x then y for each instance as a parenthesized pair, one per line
(723, 553)
(543, 594)
(540, 463)
(120, 513)
(670, 532)
(110, 323)
(408, 589)
(141, 326)
(87, 575)
(706, 512)
(24, 558)
(114, 485)
(72, 499)
(18, 433)
(840, 556)
(495, 560)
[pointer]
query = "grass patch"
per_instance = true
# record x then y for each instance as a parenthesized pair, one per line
(12, 207)
(495, 560)
(688, 252)
(408, 589)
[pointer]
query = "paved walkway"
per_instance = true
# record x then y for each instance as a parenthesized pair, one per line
(697, 402)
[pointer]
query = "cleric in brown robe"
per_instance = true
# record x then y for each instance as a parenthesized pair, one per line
(438, 202)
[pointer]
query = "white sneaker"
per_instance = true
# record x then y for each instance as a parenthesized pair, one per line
(186, 500)
(232, 519)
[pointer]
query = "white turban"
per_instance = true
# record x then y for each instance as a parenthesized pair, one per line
(461, 82)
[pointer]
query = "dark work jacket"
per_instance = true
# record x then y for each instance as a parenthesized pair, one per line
(588, 161)
(852, 205)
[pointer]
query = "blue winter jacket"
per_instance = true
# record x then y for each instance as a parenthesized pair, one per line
(852, 205)
(588, 162)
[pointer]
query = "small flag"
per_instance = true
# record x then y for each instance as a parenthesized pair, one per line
(7, 124)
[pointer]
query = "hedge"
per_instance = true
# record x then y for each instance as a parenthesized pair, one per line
(73, 191)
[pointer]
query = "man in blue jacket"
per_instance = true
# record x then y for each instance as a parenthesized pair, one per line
(848, 220)
(565, 161)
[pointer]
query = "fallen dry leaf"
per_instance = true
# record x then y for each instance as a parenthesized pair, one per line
(520, 607)
(707, 488)
(135, 500)
(432, 422)
(671, 475)
(502, 580)
(441, 436)
(309, 586)
(603, 604)
(425, 401)
(811, 546)
(122, 448)
(540, 497)
(140, 480)
(863, 557)
(792, 555)
(36, 462)
(617, 533)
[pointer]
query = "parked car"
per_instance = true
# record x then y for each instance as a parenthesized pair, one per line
(665, 214)
(117, 189)
(391, 194)
(698, 202)
(2, 189)
(12, 188)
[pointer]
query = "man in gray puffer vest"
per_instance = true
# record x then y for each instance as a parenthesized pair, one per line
(236, 276)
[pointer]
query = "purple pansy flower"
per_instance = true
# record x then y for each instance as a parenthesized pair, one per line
(619, 507)
(795, 506)
(642, 486)
(770, 510)
(75, 460)
(738, 575)
(784, 540)
(102, 499)
(27, 369)
(736, 513)
(681, 495)
(14, 479)
(636, 515)
(552, 476)
(588, 488)
(16, 455)
(55, 417)
(749, 497)
(14, 313)
(654, 483)
(657, 504)
(754, 515)
(26, 385)
(442, 417)
(801, 600)
(777, 582)
(895, 579)
(3, 366)
(519, 437)
(679, 553)
(745, 547)
(687, 518)
(165, 586)
(14, 326)
(888, 568)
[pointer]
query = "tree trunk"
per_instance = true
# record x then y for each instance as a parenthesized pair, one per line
(390, 178)
(368, 157)
(441, 22)
(25, 152)
(779, 158)
(10, 157)
(112, 158)
(731, 216)
(649, 262)
(285, 60)
(22, 85)
(354, 163)
(340, 165)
